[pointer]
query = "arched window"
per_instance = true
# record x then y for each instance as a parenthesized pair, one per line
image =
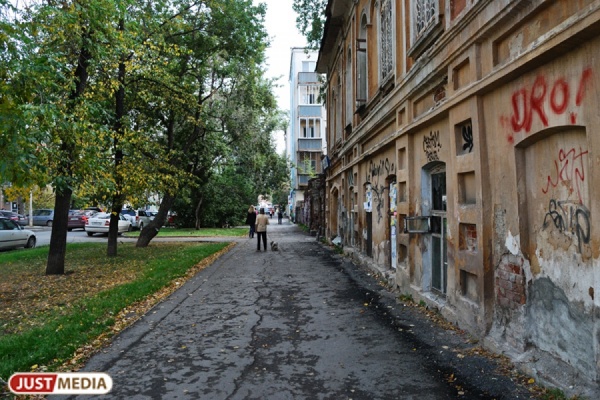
(349, 89)
(361, 63)
(338, 107)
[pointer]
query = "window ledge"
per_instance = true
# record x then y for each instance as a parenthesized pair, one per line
(426, 39)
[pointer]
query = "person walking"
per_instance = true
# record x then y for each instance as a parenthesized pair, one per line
(251, 220)
(279, 215)
(261, 229)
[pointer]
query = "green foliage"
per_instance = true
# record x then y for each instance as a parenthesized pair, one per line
(193, 107)
(311, 20)
(406, 298)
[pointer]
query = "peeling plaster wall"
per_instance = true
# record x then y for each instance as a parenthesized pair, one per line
(546, 238)
(379, 168)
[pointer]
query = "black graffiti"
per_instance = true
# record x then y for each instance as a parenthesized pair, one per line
(467, 134)
(569, 217)
(384, 168)
(378, 200)
(432, 145)
(378, 169)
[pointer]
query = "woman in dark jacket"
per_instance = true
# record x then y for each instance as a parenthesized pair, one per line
(251, 220)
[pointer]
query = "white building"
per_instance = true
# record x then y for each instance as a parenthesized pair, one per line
(305, 142)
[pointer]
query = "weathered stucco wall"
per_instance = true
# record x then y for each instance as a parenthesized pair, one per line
(547, 269)
(503, 98)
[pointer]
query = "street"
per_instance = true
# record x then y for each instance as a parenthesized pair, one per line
(287, 324)
(42, 235)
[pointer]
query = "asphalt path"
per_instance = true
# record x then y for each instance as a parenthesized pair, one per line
(297, 323)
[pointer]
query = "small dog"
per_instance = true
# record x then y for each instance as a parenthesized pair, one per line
(274, 246)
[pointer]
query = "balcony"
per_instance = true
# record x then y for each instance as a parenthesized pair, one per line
(313, 110)
(308, 77)
(303, 180)
(310, 144)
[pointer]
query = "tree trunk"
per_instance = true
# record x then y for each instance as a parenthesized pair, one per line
(117, 204)
(197, 212)
(113, 230)
(58, 240)
(62, 203)
(152, 229)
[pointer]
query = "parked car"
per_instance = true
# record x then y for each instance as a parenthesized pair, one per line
(77, 220)
(171, 216)
(138, 218)
(94, 209)
(43, 217)
(100, 223)
(12, 235)
(130, 215)
(144, 217)
(18, 218)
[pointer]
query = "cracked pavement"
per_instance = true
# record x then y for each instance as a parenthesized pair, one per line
(298, 323)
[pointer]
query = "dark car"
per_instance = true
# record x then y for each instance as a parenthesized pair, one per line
(18, 218)
(43, 217)
(77, 220)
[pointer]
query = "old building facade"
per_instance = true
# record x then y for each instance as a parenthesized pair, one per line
(463, 162)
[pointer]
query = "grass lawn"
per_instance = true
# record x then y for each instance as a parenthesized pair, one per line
(204, 232)
(55, 323)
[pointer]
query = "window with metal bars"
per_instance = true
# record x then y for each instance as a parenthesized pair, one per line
(424, 15)
(386, 39)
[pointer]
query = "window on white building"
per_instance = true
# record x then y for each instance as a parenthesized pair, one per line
(310, 127)
(308, 94)
(309, 66)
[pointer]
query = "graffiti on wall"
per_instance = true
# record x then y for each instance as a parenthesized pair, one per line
(376, 175)
(569, 218)
(568, 171)
(545, 98)
(432, 145)
(467, 135)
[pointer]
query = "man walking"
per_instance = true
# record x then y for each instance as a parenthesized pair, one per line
(261, 229)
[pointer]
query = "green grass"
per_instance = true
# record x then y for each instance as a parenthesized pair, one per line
(44, 319)
(204, 232)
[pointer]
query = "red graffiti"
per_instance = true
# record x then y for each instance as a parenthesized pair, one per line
(585, 76)
(527, 104)
(569, 170)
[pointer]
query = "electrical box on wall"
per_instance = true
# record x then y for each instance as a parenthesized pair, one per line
(418, 224)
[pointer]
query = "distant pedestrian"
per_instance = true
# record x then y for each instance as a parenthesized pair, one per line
(251, 220)
(261, 229)
(279, 215)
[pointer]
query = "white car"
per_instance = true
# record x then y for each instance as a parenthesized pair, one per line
(100, 223)
(12, 235)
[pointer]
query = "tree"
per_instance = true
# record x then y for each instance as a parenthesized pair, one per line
(311, 20)
(224, 44)
(51, 109)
